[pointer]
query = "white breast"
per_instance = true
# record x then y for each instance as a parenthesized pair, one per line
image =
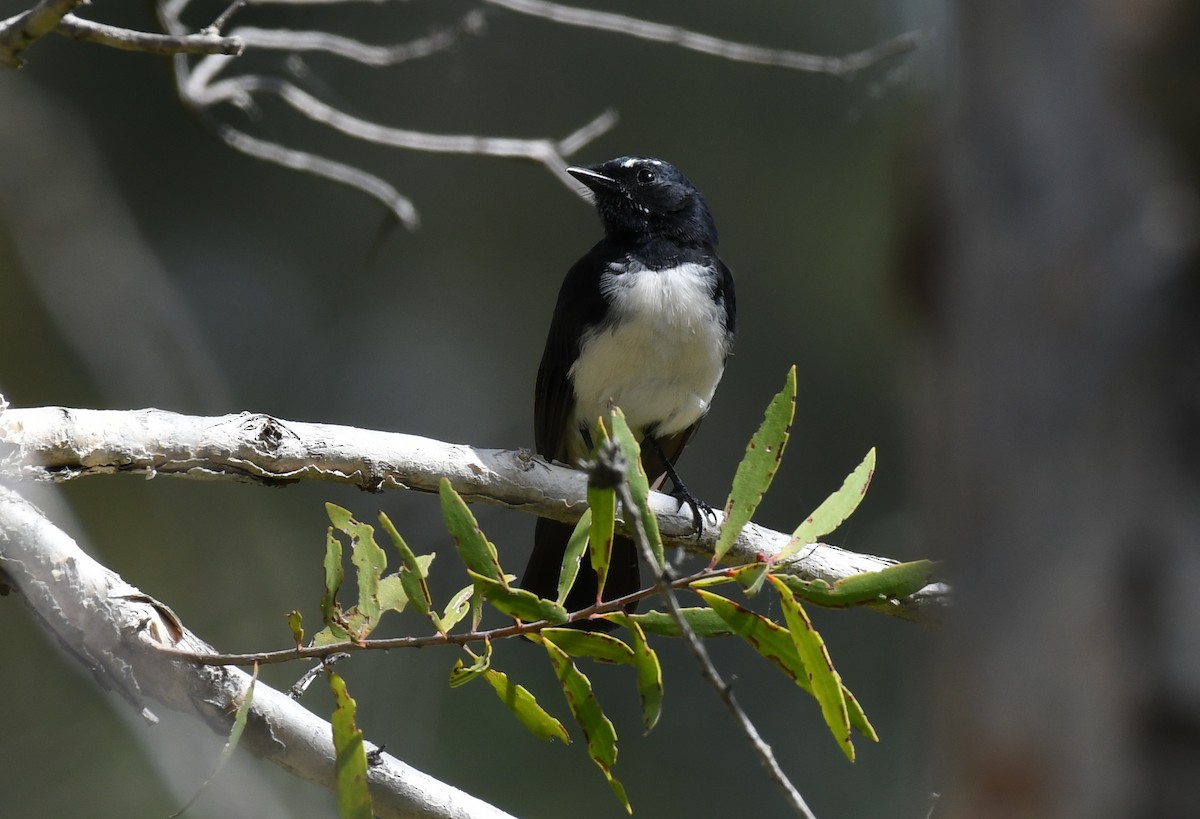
(661, 356)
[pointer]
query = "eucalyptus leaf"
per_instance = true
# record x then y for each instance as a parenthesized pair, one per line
(758, 466)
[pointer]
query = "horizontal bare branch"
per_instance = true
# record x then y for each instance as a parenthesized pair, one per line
(59, 444)
(116, 632)
(19, 32)
(204, 42)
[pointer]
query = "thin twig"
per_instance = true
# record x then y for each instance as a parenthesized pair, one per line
(400, 206)
(844, 66)
(218, 25)
(665, 585)
(200, 88)
(358, 51)
(315, 652)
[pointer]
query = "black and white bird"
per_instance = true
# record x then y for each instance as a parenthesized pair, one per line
(645, 321)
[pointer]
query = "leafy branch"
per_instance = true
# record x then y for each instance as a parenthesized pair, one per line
(615, 481)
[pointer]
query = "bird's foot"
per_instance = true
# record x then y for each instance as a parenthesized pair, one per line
(700, 509)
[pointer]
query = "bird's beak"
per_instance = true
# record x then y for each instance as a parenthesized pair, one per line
(595, 180)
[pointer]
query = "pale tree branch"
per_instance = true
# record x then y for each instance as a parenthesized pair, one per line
(116, 632)
(202, 42)
(60, 444)
(200, 89)
(19, 32)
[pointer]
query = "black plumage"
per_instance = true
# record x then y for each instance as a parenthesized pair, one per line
(645, 320)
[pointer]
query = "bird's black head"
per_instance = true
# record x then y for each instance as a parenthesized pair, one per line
(643, 198)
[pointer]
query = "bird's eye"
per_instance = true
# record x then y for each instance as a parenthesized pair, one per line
(645, 176)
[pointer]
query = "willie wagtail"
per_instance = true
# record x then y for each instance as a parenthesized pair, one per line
(645, 320)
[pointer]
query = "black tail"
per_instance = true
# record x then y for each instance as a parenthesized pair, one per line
(545, 564)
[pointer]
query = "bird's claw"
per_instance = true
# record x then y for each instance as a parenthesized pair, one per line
(700, 509)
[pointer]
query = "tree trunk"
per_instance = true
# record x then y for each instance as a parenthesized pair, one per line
(1060, 461)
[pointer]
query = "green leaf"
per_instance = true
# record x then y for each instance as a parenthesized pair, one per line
(340, 517)
(603, 647)
(639, 484)
(751, 577)
(239, 722)
(526, 708)
(476, 551)
(603, 503)
(822, 676)
(235, 737)
(518, 603)
(758, 467)
(775, 643)
(457, 608)
(720, 579)
(462, 674)
(295, 623)
(769, 639)
(649, 676)
(352, 625)
(330, 635)
(599, 731)
(893, 583)
(370, 561)
(857, 717)
(576, 546)
(835, 509)
(392, 596)
(334, 574)
(412, 572)
(704, 622)
(353, 798)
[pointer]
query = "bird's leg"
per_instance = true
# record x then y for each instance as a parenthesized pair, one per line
(682, 494)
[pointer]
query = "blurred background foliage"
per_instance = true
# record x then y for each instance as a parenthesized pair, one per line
(143, 263)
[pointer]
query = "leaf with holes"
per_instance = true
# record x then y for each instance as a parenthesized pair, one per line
(353, 798)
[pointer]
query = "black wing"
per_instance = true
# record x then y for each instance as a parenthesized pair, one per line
(580, 305)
